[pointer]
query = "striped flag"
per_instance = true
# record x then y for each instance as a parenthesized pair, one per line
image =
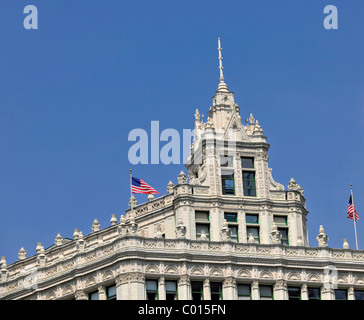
(351, 210)
(140, 186)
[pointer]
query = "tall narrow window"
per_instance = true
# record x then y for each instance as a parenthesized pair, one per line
(284, 233)
(227, 182)
(244, 292)
(248, 175)
(232, 219)
(111, 293)
(249, 184)
(266, 292)
(197, 290)
(171, 290)
(151, 289)
(202, 224)
(216, 291)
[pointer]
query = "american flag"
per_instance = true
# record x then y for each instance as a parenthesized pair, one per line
(140, 186)
(351, 209)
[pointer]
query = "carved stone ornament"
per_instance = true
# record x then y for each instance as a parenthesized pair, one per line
(322, 238)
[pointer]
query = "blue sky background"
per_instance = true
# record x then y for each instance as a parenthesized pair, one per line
(71, 91)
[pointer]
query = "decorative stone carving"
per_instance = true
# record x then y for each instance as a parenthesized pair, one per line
(182, 178)
(75, 234)
(180, 230)
(225, 232)
(170, 187)
(293, 185)
(251, 238)
(203, 235)
(80, 242)
(22, 254)
(133, 226)
(113, 220)
(322, 238)
(132, 201)
(276, 235)
(58, 240)
(95, 226)
(346, 244)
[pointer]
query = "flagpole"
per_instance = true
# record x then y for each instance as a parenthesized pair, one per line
(354, 215)
(131, 193)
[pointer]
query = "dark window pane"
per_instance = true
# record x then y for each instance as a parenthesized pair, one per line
(231, 217)
(151, 285)
(359, 295)
(340, 294)
(111, 293)
(151, 296)
(314, 293)
(243, 290)
(216, 291)
(202, 215)
(94, 295)
(227, 181)
(249, 184)
(266, 292)
(248, 175)
(284, 232)
(294, 293)
(234, 231)
(251, 218)
(196, 290)
(249, 193)
(280, 220)
(247, 163)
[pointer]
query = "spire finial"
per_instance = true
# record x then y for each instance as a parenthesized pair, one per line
(220, 60)
(222, 87)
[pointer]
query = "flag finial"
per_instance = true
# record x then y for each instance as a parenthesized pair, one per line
(222, 87)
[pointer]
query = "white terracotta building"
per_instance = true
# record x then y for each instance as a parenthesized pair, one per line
(226, 230)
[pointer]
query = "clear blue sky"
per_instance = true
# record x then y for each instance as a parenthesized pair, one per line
(71, 91)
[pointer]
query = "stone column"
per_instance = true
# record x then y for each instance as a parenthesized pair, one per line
(136, 286)
(304, 292)
(255, 290)
(161, 289)
(351, 295)
(102, 293)
(229, 289)
(122, 287)
(206, 290)
(184, 288)
(327, 293)
(280, 291)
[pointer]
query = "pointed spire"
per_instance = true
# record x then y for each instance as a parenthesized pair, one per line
(222, 87)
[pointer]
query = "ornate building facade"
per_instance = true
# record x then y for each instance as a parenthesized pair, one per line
(225, 231)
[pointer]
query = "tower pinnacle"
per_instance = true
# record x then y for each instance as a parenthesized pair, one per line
(222, 87)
